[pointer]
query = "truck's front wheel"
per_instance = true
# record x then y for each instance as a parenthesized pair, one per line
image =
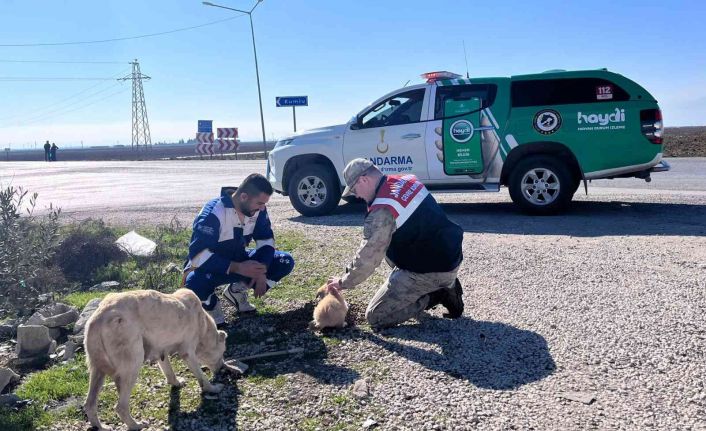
(541, 185)
(314, 190)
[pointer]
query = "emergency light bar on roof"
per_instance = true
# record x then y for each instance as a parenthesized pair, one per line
(435, 76)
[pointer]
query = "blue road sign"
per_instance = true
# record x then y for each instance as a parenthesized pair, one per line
(205, 126)
(286, 101)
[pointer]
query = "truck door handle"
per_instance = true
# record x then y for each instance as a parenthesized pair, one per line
(411, 136)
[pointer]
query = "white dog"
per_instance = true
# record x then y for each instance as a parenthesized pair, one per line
(130, 328)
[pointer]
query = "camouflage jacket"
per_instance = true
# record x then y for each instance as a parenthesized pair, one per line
(377, 233)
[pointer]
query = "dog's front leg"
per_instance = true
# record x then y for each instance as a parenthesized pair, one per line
(168, 372)
(195, 368)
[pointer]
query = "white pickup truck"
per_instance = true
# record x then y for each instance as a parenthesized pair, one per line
(541, 135)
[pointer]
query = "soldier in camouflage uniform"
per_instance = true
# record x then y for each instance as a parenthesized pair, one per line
(406, 224)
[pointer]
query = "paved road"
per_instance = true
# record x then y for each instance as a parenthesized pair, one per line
(127, 192)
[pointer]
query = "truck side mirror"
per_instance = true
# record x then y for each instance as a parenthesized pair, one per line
(356, 123)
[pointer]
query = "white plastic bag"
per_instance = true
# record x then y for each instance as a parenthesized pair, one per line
(136, 244)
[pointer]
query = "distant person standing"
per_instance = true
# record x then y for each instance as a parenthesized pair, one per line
(52, 152)
(47, 147)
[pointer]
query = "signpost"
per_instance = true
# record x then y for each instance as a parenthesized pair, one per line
(204, 137)
(207, 144)
(293, 101)
(205, 126)
(204, 148)
(228, 140)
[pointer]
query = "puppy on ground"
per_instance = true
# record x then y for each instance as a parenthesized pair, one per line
(130, 328)
(331, 310)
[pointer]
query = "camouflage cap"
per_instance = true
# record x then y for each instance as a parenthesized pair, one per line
(353, 170)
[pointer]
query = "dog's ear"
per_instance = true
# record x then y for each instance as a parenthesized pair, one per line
(321, 292)
(222, 336)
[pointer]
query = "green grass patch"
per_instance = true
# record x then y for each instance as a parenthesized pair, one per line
(340, 399)
(263, 306)
(276, 382)
(152, 396)
(117, 271)
(27, 419)
(331, 341)
(57, 383)
(172, 247)
(310, 271)
(61, 382)
(310, 424)
(52, 385)
(80, 299)
(289, 241)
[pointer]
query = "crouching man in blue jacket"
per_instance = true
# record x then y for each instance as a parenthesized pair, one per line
(217, 253)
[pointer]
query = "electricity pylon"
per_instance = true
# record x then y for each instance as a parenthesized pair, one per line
(140, 124)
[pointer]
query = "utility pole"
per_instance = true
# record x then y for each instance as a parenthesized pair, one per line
(257, 71)
(140, 123)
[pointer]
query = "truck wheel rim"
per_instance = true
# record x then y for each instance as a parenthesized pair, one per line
(311, 191)
(540, 186)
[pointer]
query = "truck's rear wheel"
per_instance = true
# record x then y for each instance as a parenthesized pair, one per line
(541, 185)
(314, 190)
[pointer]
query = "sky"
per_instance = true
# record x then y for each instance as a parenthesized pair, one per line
(342, 54)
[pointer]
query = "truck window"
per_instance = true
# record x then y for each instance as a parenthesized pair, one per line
(541, 92)
(484, 92)
(403, 108)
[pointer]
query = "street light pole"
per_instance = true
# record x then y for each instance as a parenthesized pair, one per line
(257, 76)
(257, 71)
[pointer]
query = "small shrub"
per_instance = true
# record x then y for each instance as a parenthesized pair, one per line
(27, 244)
(155, 278)
(87, 247)
(172, 242)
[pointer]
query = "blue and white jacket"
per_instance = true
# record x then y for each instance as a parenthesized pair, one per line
(219, 237)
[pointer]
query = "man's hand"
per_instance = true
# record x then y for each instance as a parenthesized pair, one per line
(334, 283)
(249, 268)
(260, 284)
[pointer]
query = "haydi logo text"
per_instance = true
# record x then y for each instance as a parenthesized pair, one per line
(618, 116)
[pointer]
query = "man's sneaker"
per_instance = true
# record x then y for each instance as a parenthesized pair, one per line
(453, 301)
(217, 314)
(237, 294)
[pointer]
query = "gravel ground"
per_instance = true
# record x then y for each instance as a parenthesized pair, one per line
(589, 320)
(607, 301)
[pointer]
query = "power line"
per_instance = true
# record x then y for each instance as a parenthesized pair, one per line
(73, 110)
(61, 101)
(31, 118)
(62, 62)
(42, 79)
(80, 107)
(117, 39)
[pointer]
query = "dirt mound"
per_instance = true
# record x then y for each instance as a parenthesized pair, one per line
(685, 141)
